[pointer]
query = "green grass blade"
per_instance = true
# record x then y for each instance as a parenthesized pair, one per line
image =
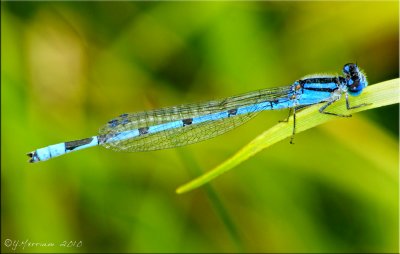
(381, 94)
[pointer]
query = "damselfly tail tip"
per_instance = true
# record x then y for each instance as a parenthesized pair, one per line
(32, 156)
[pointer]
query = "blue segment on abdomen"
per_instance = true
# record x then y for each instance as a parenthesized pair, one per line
(165, 126)
(254, 108)
(267, 105)
(283, 103)
(59, 149)
(210, 117)
(124, 135)
(50, 151)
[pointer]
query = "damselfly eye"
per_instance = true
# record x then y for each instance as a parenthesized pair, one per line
(350, 69)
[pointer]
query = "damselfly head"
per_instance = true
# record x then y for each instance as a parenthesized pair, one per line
(356, 80)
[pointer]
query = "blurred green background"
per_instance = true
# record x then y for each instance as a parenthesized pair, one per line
(69, 67)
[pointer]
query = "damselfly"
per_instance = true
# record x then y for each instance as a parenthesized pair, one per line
(191, 123)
